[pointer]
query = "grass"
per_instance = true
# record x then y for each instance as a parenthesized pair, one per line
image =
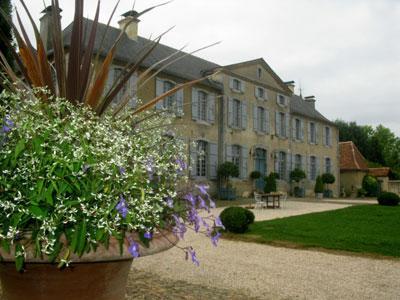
(366, 229)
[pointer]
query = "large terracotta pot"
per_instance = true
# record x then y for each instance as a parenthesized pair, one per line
(100, 275)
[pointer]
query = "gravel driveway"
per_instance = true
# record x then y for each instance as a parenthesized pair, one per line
(267, 272)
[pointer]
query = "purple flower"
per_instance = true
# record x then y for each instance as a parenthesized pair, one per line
(215, 239)
(170, 202)
(134, 249)
(193, 256)
(9, 124)
(122, 207)
(202, 203)
(203, 188)
(212, 204)
(181, 164)
(122, 170)
(148, 235)
(179, 228)
(218, 223)
(189, 197)
(5, 129)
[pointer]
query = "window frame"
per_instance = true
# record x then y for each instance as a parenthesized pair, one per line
(169, 102)
(202, 158)
(202, 105)
(313, 133)
(261, 118)
(298, 162)
(328, 166)
(313, 167)
(237, 156)
(236, 113)
(282, 165)
(298, 129)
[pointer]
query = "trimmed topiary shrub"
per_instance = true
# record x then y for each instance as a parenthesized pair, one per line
(297, 175)
(319, 185)
(236, 219)
(370, 185)
(270, 183)
(328, 178)
(255, 175)
(388, 199)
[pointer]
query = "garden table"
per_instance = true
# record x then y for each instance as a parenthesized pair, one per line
(272, 200)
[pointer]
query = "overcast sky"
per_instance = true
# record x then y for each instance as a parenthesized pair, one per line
(346, 53)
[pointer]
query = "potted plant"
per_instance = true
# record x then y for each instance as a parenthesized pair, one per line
(327, 179)
(84, 187)
(225, 171)
(297, 175)
(270, 183)
(254, 176)
(319, 187)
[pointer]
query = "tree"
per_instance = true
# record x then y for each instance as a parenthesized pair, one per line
(5, 5)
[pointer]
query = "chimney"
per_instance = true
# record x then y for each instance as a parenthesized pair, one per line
(131, 19)
(46, 27)
(291, 85)
(311, 100)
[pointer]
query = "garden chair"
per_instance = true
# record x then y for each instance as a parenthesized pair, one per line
(258, 200)
(283, 199)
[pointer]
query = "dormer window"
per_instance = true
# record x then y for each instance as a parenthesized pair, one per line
(236, 84)
(261, 93)
(281, 100)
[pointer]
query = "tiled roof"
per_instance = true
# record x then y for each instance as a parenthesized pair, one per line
(351, 158)
(379, 172)
(188, 67)
(301, 107)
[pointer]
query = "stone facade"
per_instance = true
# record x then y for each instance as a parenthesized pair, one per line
(244, 113)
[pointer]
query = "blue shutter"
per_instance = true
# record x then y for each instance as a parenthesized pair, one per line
(195, 104)
(309, 167)
(192, 158)
(212, 160)
(230, 112)
(267, 122)
(242, 86)
(316, 133)
(324, 136)
(211, 108)
(244, 158)
(159, 91)
(293, 160)
(287, 125)
(276, 161)
(244, 114)
(179, 102)
(255, 118)
(277, 123)
(133, 80)
(231, 83)
(228, 153)
(309, 132)
(294, 129)
(317, 159)
(302, 130)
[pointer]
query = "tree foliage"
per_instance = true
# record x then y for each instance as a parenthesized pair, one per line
(5, 30)
(380, 146)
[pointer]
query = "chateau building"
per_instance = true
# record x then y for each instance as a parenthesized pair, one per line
(245, 113)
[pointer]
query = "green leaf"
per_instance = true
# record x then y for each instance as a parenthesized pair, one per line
(37, 211)
(6, 245)
(49, 195)
(19, 259)
(82, 238)
(57, 248)
(146, 242)
(19, 148)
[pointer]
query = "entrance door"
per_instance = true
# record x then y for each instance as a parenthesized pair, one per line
(260, 161)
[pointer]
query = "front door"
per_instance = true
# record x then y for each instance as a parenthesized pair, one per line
(260, 161)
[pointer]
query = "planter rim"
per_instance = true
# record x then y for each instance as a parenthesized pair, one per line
(161, 241)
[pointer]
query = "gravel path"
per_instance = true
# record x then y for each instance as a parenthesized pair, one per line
(267, 272)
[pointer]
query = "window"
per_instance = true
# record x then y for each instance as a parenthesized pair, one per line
(298, 129)
(202, 113)
(298, 162)
(261, 118)
(328, 165)
(313, 167)
(259, 73)
(201, 164)
(282, 124)
(327, 136)
(236, 155)
(237, 84)
(281, 100)
(121, 93)
(260, 93)
(170, 101)
(282, 165)
(313, 133)
(237, 113)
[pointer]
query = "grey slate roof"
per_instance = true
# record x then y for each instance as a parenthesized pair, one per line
(189, 67)
(301, 107)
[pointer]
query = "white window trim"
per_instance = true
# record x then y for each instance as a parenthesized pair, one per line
(278, 102)
(258, 96)
(241, 82)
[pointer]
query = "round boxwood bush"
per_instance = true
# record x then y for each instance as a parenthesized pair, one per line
(328, 178)
(236, 219)
(388, 199)
(371, 185)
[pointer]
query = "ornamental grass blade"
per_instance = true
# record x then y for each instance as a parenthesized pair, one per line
(44, 66)
(151, 8)
(58, 47)
(87, 59)
(73, 79)
(168, 93)
(128, 72)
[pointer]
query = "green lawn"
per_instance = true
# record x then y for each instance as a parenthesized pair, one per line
(369, 229)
